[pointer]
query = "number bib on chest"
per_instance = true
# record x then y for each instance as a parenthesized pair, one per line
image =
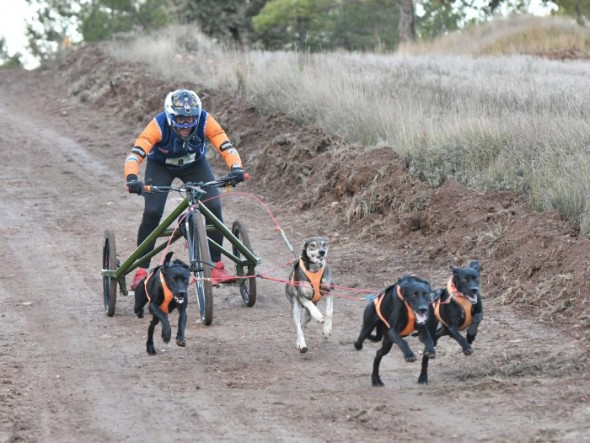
(181, 161)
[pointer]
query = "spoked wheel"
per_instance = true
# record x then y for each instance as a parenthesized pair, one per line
(247, 285)
(109, 262)
(201, 267)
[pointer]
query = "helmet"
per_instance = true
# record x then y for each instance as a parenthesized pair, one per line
(184, 103)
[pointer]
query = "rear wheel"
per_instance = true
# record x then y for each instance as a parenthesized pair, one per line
(200, 263)
(247, 285)
(109, 262)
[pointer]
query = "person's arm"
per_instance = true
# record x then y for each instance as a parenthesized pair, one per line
(220, 141)
(148, 138)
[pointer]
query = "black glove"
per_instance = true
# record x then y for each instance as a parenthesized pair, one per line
(134, 186)
(236, 176)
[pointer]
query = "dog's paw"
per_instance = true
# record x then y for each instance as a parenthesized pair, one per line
(166, 335)
(328, 327)
(139, 314)
(151, 350)
(376, 380)
(410, 358)
(430, 354)
(320, 319)
(301, 346)
(468, 351)
(327, 333)
(180, 342)
(358, 345)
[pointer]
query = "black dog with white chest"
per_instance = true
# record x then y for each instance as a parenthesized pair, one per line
(397, 312)
(165, 288)
(455, 308)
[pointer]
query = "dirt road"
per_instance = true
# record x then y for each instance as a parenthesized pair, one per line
(68, 373)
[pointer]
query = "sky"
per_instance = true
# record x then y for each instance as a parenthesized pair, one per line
(13, 28)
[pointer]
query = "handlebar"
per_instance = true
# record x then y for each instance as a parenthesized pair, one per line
(195, 186)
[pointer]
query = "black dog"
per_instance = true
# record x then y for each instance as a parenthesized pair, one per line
(396, 312)
(455, 308)
(166, 289)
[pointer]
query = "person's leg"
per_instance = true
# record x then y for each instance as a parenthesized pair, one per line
(156, 175)
(201, 171)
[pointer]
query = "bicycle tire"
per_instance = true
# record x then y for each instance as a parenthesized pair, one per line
(247, 285)
(202, 258)
(109, 262)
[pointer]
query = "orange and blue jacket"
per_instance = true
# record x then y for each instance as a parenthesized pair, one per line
(161, 144)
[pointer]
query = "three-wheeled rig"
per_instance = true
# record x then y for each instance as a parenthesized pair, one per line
(192, 221)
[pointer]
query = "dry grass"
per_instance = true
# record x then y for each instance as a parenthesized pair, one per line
(492, 122)
(520, 34)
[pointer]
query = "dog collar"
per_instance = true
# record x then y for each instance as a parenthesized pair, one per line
(452, 289)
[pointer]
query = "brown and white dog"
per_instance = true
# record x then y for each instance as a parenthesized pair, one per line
(309, 282)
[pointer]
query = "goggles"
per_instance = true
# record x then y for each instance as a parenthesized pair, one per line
(184, 121)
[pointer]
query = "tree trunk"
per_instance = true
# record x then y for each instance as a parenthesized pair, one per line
(406, 26)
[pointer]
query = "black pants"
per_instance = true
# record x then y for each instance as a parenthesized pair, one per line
(160, 175)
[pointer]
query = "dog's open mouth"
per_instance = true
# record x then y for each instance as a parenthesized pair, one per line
(318, 260)
(472, 298)
(420, 318)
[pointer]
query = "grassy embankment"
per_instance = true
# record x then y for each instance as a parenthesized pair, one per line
(475, 106)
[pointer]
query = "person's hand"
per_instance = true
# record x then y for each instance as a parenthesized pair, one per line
(236, 175)
(134, 186)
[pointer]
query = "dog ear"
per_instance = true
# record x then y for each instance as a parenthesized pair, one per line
(474, 264)
(435, 295)
(304, 249)
(167, 259)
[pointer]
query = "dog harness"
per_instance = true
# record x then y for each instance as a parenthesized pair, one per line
(315, 279)
(460, 299)
(410, 325)
(168, 297)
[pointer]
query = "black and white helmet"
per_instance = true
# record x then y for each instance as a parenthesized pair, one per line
(182, 103)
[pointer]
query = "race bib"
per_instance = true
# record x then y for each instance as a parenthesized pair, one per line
(180, 161)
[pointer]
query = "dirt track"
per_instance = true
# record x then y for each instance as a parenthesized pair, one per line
(69, 373)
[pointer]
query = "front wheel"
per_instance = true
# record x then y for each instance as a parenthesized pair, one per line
(247, 285)
(109, 262)
(200, 264)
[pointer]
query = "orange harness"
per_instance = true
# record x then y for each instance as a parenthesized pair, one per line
(410, 325)
(315, 278)
(165, 306)
(460, 300)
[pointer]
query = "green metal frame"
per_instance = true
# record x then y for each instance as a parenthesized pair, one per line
(164, 229)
